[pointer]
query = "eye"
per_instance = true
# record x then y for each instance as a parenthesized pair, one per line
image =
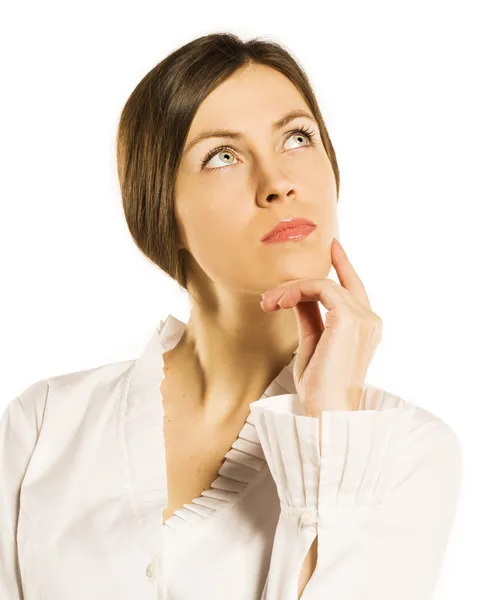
(301, 131)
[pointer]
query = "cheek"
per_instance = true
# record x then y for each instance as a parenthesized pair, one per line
(213, 231)
(224, 244)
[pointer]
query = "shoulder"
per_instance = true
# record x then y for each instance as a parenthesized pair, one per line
(74, 385)
(68, 394)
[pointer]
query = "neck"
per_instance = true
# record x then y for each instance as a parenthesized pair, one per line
(227, 363)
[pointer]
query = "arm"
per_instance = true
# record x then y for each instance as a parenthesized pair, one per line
(19, 427)
(380, 489)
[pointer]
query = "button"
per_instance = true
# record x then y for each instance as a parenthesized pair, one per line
(150, 571)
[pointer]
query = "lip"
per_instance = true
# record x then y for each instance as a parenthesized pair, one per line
(297, 225)
(292, 233)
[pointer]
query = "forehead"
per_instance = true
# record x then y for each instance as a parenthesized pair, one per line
(252, 97)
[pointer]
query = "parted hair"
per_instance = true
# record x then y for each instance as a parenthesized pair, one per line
(154, 125)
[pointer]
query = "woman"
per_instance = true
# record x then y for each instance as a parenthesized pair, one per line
(242, 455)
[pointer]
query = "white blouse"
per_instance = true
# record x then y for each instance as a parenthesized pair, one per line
(83, 487)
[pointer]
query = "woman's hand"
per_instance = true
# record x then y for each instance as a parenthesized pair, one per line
(332, 358)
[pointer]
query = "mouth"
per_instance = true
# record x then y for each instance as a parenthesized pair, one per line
(300, 224)
(291, 233)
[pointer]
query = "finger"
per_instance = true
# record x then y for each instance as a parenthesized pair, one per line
(327, 291)
(309, 321)
(272, 295)
(347, 275)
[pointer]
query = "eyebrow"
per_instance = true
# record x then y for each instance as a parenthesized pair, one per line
(237, 135)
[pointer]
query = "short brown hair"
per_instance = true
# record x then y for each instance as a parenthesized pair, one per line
(154, 125)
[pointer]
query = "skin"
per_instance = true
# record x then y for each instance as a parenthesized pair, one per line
(232, 349)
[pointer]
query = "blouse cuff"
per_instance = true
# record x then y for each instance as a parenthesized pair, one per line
(349, 468)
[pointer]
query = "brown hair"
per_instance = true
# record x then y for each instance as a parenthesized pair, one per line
(154, 125)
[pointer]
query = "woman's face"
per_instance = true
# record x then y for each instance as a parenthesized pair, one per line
(264, 175)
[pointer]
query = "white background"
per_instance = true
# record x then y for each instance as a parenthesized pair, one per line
(397, 84)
